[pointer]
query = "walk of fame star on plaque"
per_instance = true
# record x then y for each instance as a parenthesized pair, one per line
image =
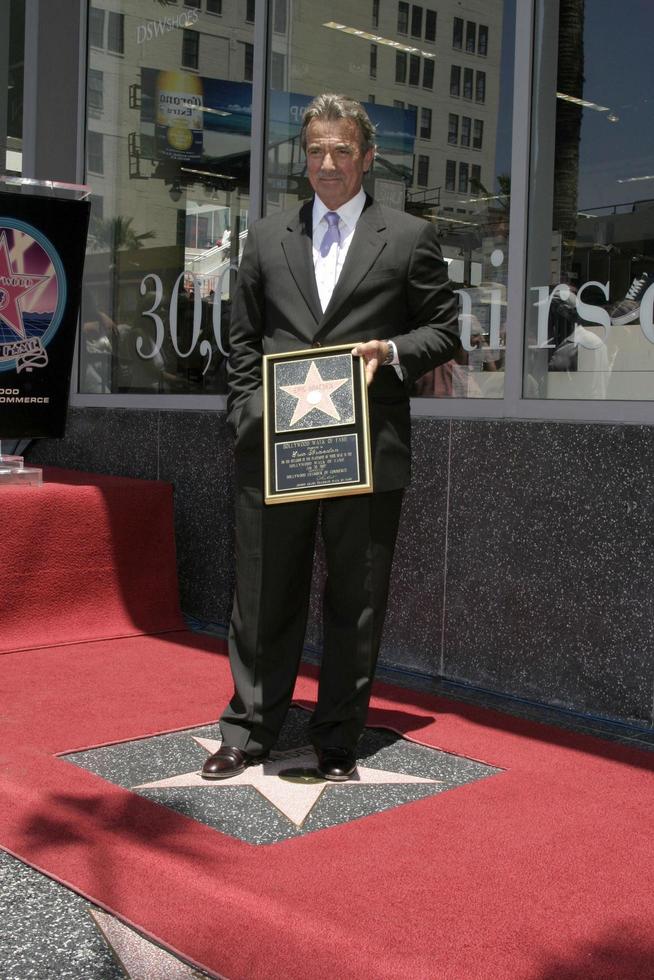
(311, 394)
(316, 425)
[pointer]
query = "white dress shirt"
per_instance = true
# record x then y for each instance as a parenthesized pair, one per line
(328, 267)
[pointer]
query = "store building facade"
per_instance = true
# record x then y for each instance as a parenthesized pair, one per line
(524, 560)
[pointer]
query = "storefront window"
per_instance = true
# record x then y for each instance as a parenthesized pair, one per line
(590, 328)
(168, 160)
(12, 47)
(426, 163)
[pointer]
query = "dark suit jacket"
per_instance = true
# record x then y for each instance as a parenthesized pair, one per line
(393, 286)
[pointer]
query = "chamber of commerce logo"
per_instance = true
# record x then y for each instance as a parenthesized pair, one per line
(32, 295)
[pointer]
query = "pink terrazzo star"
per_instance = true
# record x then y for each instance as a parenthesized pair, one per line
(315, 392)
(294, 799)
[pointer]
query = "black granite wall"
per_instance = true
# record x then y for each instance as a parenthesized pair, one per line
(523, 562)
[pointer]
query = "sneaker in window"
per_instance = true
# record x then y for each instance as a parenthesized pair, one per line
(627, 309)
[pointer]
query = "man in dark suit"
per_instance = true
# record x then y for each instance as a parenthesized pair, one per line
(339, 269)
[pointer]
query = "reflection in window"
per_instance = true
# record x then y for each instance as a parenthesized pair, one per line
(116, 33)
(590, 325)
(428, 73)
(278, 71)
(457, 33)
(195, 225)
(423, 171)
(402, 17)
(480, 87)
(465, 130)
(170, 194)
(475, 178)
(190, 49)
(95, 152)
(471, 36)
(416, 21)
(280, 17)
(97, 205)
(400, 67)
(482, 40)
(95, 90)
(248, 62)
(430, 25)
(467, 83)
(411, 171)
(478, 134)
(425, 124)
(182, 227)
(96, 27)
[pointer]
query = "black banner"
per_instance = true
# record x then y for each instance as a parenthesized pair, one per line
(42, 248)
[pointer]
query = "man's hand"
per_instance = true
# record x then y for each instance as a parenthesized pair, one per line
(374, 353)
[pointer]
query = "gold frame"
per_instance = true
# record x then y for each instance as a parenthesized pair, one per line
(359, 428)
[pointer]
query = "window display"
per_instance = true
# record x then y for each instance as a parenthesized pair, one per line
(168, 161)
(590, 332)
(169, 114)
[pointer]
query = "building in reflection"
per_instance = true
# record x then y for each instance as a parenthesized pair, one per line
(169, 145)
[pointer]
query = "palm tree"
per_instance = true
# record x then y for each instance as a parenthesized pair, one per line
(115, 234)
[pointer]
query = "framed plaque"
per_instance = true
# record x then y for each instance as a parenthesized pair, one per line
(316, 425)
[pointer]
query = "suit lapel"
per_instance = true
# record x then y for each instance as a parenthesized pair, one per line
(366, 245)
(297, 245)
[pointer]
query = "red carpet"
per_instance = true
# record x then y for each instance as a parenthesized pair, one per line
(85, 560)
(545, 871)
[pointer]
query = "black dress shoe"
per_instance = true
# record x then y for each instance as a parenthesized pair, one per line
(336, 764)
(228, 761)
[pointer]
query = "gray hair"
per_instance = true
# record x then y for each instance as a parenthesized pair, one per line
(331, 106)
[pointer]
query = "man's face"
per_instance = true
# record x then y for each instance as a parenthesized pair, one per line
(335, 161)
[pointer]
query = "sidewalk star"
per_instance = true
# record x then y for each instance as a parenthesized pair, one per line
(287, 779)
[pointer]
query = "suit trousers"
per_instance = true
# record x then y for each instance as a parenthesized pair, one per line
(274, 563)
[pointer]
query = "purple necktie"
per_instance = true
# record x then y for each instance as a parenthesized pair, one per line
(331, 235)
